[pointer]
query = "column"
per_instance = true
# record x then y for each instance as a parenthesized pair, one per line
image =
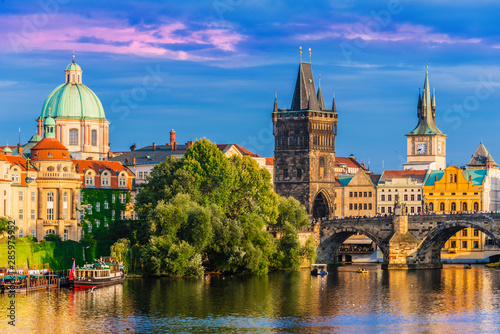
(41, 214)
(60, 203)
(74, 197)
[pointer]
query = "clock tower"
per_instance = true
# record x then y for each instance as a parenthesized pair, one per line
(426, 144)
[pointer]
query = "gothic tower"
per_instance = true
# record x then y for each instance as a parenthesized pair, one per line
(426, 144)
(304, 154)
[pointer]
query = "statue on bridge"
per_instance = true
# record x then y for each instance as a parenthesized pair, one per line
(425, 205)
(399, 207)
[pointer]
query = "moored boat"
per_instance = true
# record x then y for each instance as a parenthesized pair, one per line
(467, 266)
(318, 269)
(106, 271)
(492, 265)
(362, 271)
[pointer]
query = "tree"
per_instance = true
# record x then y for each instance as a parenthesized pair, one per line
(121, 250)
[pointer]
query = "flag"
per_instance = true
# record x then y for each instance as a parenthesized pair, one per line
(72, 272)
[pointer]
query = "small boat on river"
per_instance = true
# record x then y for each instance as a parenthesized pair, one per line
(106, 271)
(467, 266)
(318, 269)
(362, 271)
(492, 265)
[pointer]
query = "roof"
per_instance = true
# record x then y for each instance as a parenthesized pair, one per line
(242, 150)
(98, 166)
(481, 157)
(476, 176)
(426, 111)
(146, 155)
(433, 176)
(375, 178)
(349, 162)
(49, 149)
(269, 161)
(418, 175)
(73, 66)
(344, 180)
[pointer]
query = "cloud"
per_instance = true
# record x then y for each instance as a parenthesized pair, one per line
(371, 31)
(203, 41)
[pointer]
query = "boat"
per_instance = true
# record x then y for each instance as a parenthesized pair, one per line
(492, 265)
(467, 266)
(106, 271)
(318, 269)
(362, 271)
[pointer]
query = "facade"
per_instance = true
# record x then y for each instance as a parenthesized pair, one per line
(81, 124)
(426, 144)
(406, 184)
(355, 196)
(304, 153)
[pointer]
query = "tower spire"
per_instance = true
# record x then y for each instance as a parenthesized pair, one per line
(275, 109)
(334, 106)
(321, 102)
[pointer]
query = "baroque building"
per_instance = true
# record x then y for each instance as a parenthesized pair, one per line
(426, 144)
(304, 153)
(81, 124)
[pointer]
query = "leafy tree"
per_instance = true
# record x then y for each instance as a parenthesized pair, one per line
(120, 250)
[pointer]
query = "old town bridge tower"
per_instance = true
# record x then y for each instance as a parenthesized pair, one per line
(304, 154)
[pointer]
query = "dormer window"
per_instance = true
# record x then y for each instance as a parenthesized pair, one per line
(89, 179)
(105, 179)
(122, 181)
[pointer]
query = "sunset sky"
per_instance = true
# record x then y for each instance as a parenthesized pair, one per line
(210, 68)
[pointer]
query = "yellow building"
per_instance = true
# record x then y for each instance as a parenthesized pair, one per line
(455, 190)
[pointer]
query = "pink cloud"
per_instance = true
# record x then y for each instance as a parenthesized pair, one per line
(371, 31)
(74, 32)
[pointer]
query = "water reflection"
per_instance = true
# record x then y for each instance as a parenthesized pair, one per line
(452, 299)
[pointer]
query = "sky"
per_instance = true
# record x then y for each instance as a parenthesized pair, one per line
(211, 68)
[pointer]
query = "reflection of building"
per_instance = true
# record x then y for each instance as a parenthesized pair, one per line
(304, 152)
(81, 125)
(407, 184)
(426, 144)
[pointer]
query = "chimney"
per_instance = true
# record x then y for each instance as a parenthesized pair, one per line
(172, 137)
(126, 160)
(154, 146)
(133, 161)
(189, 144)
(19, 149)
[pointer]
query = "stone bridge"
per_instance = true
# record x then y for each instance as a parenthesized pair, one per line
(407, 242)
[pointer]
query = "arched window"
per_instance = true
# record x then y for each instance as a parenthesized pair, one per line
(431, 206)
(67, 79)
(455, 178)
(441, 206)
(94, 137)
(50, 231)
(73, 136)
(476, 207)
(65, 205)
(73, 77)
(464, 206)
(322, 171)
(451, 178)
(453, 206)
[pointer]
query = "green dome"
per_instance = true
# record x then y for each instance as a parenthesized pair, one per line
(49, 121)
(73, 101)
(73, 67)
(35, 138)
(7, 149)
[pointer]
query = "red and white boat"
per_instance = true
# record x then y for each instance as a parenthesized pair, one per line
(106, 271)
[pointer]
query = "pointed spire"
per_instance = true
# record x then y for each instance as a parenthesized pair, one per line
(275, 109)
(302, 99)
(334, 106)
(321, 102)
(433, 103)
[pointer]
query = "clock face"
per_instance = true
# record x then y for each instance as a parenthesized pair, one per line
(421, 148)
(439, 148)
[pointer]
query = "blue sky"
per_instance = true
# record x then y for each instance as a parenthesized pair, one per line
(218, 63)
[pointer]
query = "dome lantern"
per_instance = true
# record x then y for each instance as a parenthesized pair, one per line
(73, 73)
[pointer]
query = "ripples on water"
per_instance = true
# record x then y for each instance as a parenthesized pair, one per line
(427, 301)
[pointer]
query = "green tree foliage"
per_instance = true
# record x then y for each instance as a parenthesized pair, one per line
(121, 251)
(207, 211)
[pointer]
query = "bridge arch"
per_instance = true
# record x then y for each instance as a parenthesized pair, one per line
(429, 250)
(328, 249)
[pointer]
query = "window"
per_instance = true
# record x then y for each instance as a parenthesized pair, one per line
(431, 206)
(365, 206)
(412, 197)
(97, 222)
(453, 244)
(50, 205)
(89, 179)
(350, 206)
(66, 234)
(365, 194)
(122, 198)
(476, 206)
(369, 194)
(475, 245)
(476, 232)
(98, 206)
(464, 206)
(140, 176)
(33, 233)
(33, 214)
(21, 233)
(113, 215)
(369, 206)
(113, 198)
(453, 206)
(441, 206)
(122, 215)
(33, 196)
(73, 136)
(82, 233)
(355, 194)
(50, 213)
(412, 209)
(350, 193)
(382, 197)
(21, 195)
(145, 175)
(464, 232)
(89, 209)
(123, 181)
(389, 209)
(21, 213)
(405, 197)
(389, 197)
(299, 173)
(106, 222)
(94, 137)
(105, 179)
(355, 206)
(382, 209)
(82, 215)
(455, 178)
(65, 213)
(106, 205)
(464, 244)
(419, 197)
(285, 173)
(89, 228)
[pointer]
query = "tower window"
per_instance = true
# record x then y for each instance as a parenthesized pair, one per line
(73, 136)
(322, 167)
(94, 137)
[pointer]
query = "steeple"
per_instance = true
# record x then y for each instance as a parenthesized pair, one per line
(73, 72)
(334, 106)
(275, 109)
(482, 158)
(321, 102)
(304, 85)
(426, 111)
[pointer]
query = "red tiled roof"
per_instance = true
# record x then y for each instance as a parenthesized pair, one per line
(350, 163)
(414, 174)
(241, 149)
(49, 149)
(98, 166)
(375, 178)
(269, 161)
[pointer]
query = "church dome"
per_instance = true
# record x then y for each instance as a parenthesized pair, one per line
(73, 100)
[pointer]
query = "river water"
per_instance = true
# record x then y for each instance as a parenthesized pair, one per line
(427, 301)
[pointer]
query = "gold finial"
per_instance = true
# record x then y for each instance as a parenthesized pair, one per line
(49, 111)
(73, 56)
(300, 53)
(275, 93)
(309, 55)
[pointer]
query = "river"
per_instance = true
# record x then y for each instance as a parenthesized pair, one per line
(427, 301)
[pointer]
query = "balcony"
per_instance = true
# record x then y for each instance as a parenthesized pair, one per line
(67, 223)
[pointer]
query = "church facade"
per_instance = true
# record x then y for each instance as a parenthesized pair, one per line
(304, 156)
